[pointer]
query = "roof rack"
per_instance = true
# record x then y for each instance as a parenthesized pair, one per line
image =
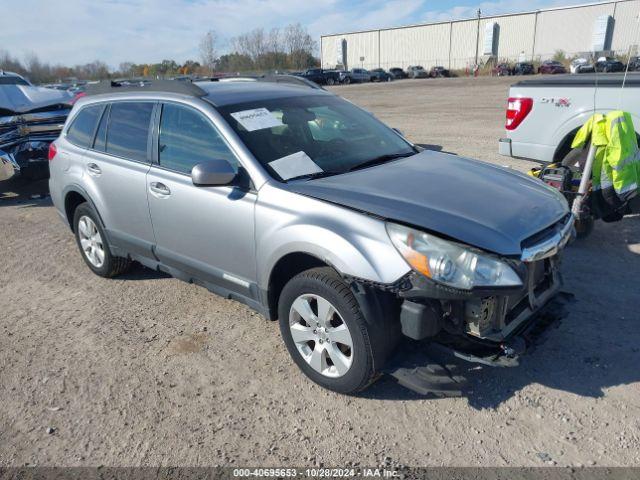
(271, 78)
(145, 85)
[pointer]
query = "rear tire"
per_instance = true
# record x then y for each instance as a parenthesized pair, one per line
(313, 293)
(93, 244)
(330, 81)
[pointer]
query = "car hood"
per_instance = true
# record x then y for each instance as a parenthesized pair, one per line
(24, 98)
(480, 204)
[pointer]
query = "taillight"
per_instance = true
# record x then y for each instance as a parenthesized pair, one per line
(517, 110)
(78, 96)
(52, 151)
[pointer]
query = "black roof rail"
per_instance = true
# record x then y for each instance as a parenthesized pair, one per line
(269, 77)
(290, 79)
(144, 85)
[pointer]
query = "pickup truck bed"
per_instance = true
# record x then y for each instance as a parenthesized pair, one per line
(558, 105)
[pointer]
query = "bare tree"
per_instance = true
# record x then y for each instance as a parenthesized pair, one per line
(126, 69)
(11, 64)
(299, 44)
(208, 53)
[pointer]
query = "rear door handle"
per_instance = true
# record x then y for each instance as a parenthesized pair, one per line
(160, 189)
(94, 169)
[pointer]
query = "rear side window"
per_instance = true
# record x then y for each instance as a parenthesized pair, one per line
(81, 131)
(129, 130)
(188, 138)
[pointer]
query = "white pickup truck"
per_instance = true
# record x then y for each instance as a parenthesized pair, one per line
(544, 113)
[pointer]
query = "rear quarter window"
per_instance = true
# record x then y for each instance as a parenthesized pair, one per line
(128, 132)
(83, 127)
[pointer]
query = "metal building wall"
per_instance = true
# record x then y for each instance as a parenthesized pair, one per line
(363, 44)
(515, 35)
(625, 28)
(568, 29)
(463, 43)
(453, 44)
(423, 45)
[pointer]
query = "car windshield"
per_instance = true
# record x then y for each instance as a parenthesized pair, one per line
(315, 135)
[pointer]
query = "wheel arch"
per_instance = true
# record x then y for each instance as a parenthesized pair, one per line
(74, 196)
(564, 146)
(287, 267)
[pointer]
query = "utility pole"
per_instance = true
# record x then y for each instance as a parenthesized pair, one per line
(478, 36)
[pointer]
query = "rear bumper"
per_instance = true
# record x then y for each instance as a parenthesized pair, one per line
(529, 151)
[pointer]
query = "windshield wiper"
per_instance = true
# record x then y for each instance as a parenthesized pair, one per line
(311, 176)
(381, 159)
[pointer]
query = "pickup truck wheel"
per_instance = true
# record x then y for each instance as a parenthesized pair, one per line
(94, 246)
(347, 80)
(330, 81)
(325, 331)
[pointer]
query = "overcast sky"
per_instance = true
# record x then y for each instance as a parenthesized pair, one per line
(147, 31)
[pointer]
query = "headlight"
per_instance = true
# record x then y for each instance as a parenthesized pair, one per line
(449, 263)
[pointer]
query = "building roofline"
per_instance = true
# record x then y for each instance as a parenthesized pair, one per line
(488, 17)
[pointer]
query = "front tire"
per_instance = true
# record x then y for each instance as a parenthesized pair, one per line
(93, 244)
(325, 331)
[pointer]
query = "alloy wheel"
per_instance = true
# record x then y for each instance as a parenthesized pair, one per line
(91, 241)
(320, 335)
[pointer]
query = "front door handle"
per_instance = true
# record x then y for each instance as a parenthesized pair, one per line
(94, 169)
(160, 189)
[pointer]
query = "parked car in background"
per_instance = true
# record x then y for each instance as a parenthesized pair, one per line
(311, 211)
(438, 72)
(417, 71)
(551, 67)
(609, 64)
(398, 73)
(523, 68)
(321, 76)
(380, 75)
(634, 64)
(502, 70)
(581, 65)
(30, 119)
(355, 75)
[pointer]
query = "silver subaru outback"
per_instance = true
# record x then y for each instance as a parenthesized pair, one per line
(311, 211)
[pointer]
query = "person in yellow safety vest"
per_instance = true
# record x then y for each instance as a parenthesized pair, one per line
(616, 168)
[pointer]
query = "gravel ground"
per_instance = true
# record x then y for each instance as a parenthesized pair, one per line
(146, 370)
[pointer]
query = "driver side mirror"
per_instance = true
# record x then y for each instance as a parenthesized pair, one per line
(213, 173)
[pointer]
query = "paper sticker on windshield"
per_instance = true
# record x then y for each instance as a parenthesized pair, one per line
(256, 119)
(294, 165)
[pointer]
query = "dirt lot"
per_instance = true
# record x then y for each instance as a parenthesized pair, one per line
(146, 370)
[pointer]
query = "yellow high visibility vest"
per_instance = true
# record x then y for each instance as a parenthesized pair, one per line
(616, 168)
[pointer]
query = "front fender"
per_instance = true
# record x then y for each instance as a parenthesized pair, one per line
(353, 243)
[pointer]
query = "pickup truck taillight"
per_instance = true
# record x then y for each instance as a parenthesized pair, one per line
(52, 151)
(517, 110)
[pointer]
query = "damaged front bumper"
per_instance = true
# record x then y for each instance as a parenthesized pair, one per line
(25, 139)
(489, 325)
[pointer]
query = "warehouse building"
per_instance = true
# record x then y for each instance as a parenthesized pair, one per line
(607, 27)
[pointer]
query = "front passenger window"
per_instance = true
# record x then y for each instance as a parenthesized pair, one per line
(188, 138)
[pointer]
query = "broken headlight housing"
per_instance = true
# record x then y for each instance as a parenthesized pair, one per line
(450, 263)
